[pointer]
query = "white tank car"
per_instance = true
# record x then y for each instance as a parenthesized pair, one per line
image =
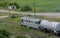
(55, 26)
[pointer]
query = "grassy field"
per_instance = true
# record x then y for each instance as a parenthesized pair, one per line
(41, 5)
(3, 14)
(57, 19)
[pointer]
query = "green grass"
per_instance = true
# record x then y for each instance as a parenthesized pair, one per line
(3, 14)
(50, 18)
(41, 5)
(14, 19)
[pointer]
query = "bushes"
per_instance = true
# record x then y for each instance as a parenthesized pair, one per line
(4, 34)
(14, 5)
(3, 4)
(14, 16)
(57, 10)
(26, 8)
(21, 36)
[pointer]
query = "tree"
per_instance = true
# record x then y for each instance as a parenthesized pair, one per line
(57, 10)
(26, 8)
(14, 4)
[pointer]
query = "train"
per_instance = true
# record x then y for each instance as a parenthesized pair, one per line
(39, 24)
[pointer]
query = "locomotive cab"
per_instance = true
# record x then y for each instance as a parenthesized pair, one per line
(30, 22)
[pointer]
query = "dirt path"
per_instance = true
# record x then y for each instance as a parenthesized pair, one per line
(28, 13)
(3, 16)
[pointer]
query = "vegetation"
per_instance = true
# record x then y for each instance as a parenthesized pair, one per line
(41, 5)
(4, 34)
(3, 4)
(26, 8)
(57, 19)
(3, 14)
(14, 16)
(14, 4)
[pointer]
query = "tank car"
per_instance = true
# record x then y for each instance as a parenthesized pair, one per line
(50, 26)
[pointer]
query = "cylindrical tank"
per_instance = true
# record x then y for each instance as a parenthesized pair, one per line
(55, 26)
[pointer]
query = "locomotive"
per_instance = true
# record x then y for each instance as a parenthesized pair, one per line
(39, 24)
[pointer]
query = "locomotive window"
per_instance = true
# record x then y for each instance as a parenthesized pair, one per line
(26, 20)
(38, 22)
(29, 21)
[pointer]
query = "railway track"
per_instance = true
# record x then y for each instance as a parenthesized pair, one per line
(30, 34)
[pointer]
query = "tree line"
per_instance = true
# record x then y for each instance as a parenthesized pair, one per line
(24, 8)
